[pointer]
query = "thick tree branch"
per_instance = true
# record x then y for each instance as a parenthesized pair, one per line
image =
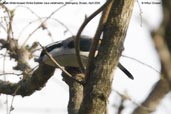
(98, 86)
(32, 82)
(75, 89)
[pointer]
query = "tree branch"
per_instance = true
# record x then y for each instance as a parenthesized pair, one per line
(32, 82)
(98, 86)
(77, 37)
(98, 33)
(75, 89)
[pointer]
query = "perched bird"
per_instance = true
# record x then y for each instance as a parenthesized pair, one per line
(64, 53)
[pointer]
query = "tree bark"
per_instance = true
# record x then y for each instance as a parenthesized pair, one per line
(98, 84)
(75, 89)
(29, 84)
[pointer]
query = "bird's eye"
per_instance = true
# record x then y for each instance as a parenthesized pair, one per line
(70, 44)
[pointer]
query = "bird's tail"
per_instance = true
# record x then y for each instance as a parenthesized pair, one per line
(125, 71)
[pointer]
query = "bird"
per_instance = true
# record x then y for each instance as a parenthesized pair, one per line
(64, 53)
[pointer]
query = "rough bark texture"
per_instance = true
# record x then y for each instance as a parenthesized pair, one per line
(75, 89)
(162, 41)
(29, 84)
(98, 86)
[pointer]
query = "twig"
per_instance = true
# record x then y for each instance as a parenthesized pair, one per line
(77, 38)
(8, 24)
(57, 64)
(11, 106)
(121, 106)
(140, 12)
(149, 66)
(29, 9)
(43, 23)
(3, 27)
(3, 55)
(10, 74)
(6, 9)
(62, 24)
(56, 20)
(29, 22)
(24, 28)
(54, 61)
(39, 19)
(97, 35)
(8, 13)
(18, 74)
(126, 97)
(5, 80)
